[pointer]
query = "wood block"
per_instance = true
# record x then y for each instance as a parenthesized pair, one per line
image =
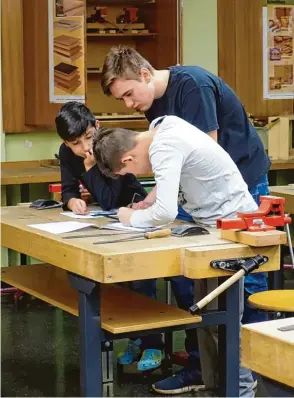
(197, 260)
(67, 57)
(67, 84)
(67, 24)
(67, 53)
(256, 239)
(68, 90)
(64, 68)
(269, 351)
(66, 77)
(67, 41)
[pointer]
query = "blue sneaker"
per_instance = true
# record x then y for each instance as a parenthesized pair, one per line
(131, 354)
(184, 380)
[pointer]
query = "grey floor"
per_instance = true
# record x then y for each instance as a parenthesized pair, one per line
(40, 354)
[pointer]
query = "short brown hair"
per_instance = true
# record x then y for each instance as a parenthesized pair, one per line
(122, 62)
(109, 146)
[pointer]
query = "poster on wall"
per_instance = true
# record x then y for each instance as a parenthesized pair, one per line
(66, 50)
(278, 56)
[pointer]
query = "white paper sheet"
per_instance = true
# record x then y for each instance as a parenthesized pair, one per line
(92, 214)
(120, 227)
(61, 227)
(73, 215)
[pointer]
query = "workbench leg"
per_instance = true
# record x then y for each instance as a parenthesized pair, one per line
(90, 335)
(24, 198)
(229, 347)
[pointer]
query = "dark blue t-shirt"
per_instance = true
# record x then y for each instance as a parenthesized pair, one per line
(207, 102)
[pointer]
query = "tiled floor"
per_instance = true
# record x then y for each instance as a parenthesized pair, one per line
(40, 354)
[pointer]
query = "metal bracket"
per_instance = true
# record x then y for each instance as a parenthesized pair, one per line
(235, 264)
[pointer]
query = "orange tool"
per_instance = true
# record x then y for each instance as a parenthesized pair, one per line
(269, 215)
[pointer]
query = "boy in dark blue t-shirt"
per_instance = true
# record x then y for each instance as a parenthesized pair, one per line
(207, 102)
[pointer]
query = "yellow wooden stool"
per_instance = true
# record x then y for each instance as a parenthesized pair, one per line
(273, 300)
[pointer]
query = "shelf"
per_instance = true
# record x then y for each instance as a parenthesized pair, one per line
(93, 71)
(124, 2)
(134, 124)
(120, 34)
(121, 116)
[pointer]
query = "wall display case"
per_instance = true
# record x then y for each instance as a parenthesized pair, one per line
(153, 27)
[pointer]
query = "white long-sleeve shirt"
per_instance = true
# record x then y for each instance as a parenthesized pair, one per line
(192, 170)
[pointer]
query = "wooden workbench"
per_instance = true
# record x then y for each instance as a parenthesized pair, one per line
(89, 265)
(30, 172)
(282, 164)
(125, 261)
(287, 192)
(269, 351)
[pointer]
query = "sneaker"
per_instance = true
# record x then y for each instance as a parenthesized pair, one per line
(131, 354)
(184, 380)
(151, 359)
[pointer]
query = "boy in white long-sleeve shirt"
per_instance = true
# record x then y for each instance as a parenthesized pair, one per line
(190, 169)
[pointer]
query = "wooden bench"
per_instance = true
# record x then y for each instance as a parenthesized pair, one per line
(122, 310)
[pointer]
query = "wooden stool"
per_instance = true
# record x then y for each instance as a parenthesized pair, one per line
(273, 300)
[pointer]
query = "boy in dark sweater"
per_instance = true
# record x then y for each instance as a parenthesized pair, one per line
(75, 124)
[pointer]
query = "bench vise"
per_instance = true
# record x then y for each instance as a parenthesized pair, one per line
(269, 215)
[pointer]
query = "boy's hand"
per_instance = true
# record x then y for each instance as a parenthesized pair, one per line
(89, 160)
(124, 215)
(141, 205)
(77, 206)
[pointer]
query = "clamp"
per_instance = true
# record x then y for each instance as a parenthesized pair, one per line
(269, 215)
(243, 266)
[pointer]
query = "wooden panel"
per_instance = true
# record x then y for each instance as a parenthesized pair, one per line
(244, 17)
(38, 110)
(255, 239)
(121, 309)
(226, 15)
(269, 351)
(12, 66)
(280, 138)
(197, 260)
(161, 18)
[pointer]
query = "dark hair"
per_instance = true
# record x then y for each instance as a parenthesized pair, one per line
(122, 62)
(109, 146)
(73, 119)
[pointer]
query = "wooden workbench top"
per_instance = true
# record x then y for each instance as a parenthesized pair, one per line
(29, 172)
(269, 351)
(116, 262)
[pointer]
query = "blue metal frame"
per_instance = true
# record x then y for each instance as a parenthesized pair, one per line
(92, 336)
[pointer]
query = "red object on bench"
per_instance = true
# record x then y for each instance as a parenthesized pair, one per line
(269, 215)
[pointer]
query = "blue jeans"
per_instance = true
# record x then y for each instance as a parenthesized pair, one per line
(147, 287)
(183, 288)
